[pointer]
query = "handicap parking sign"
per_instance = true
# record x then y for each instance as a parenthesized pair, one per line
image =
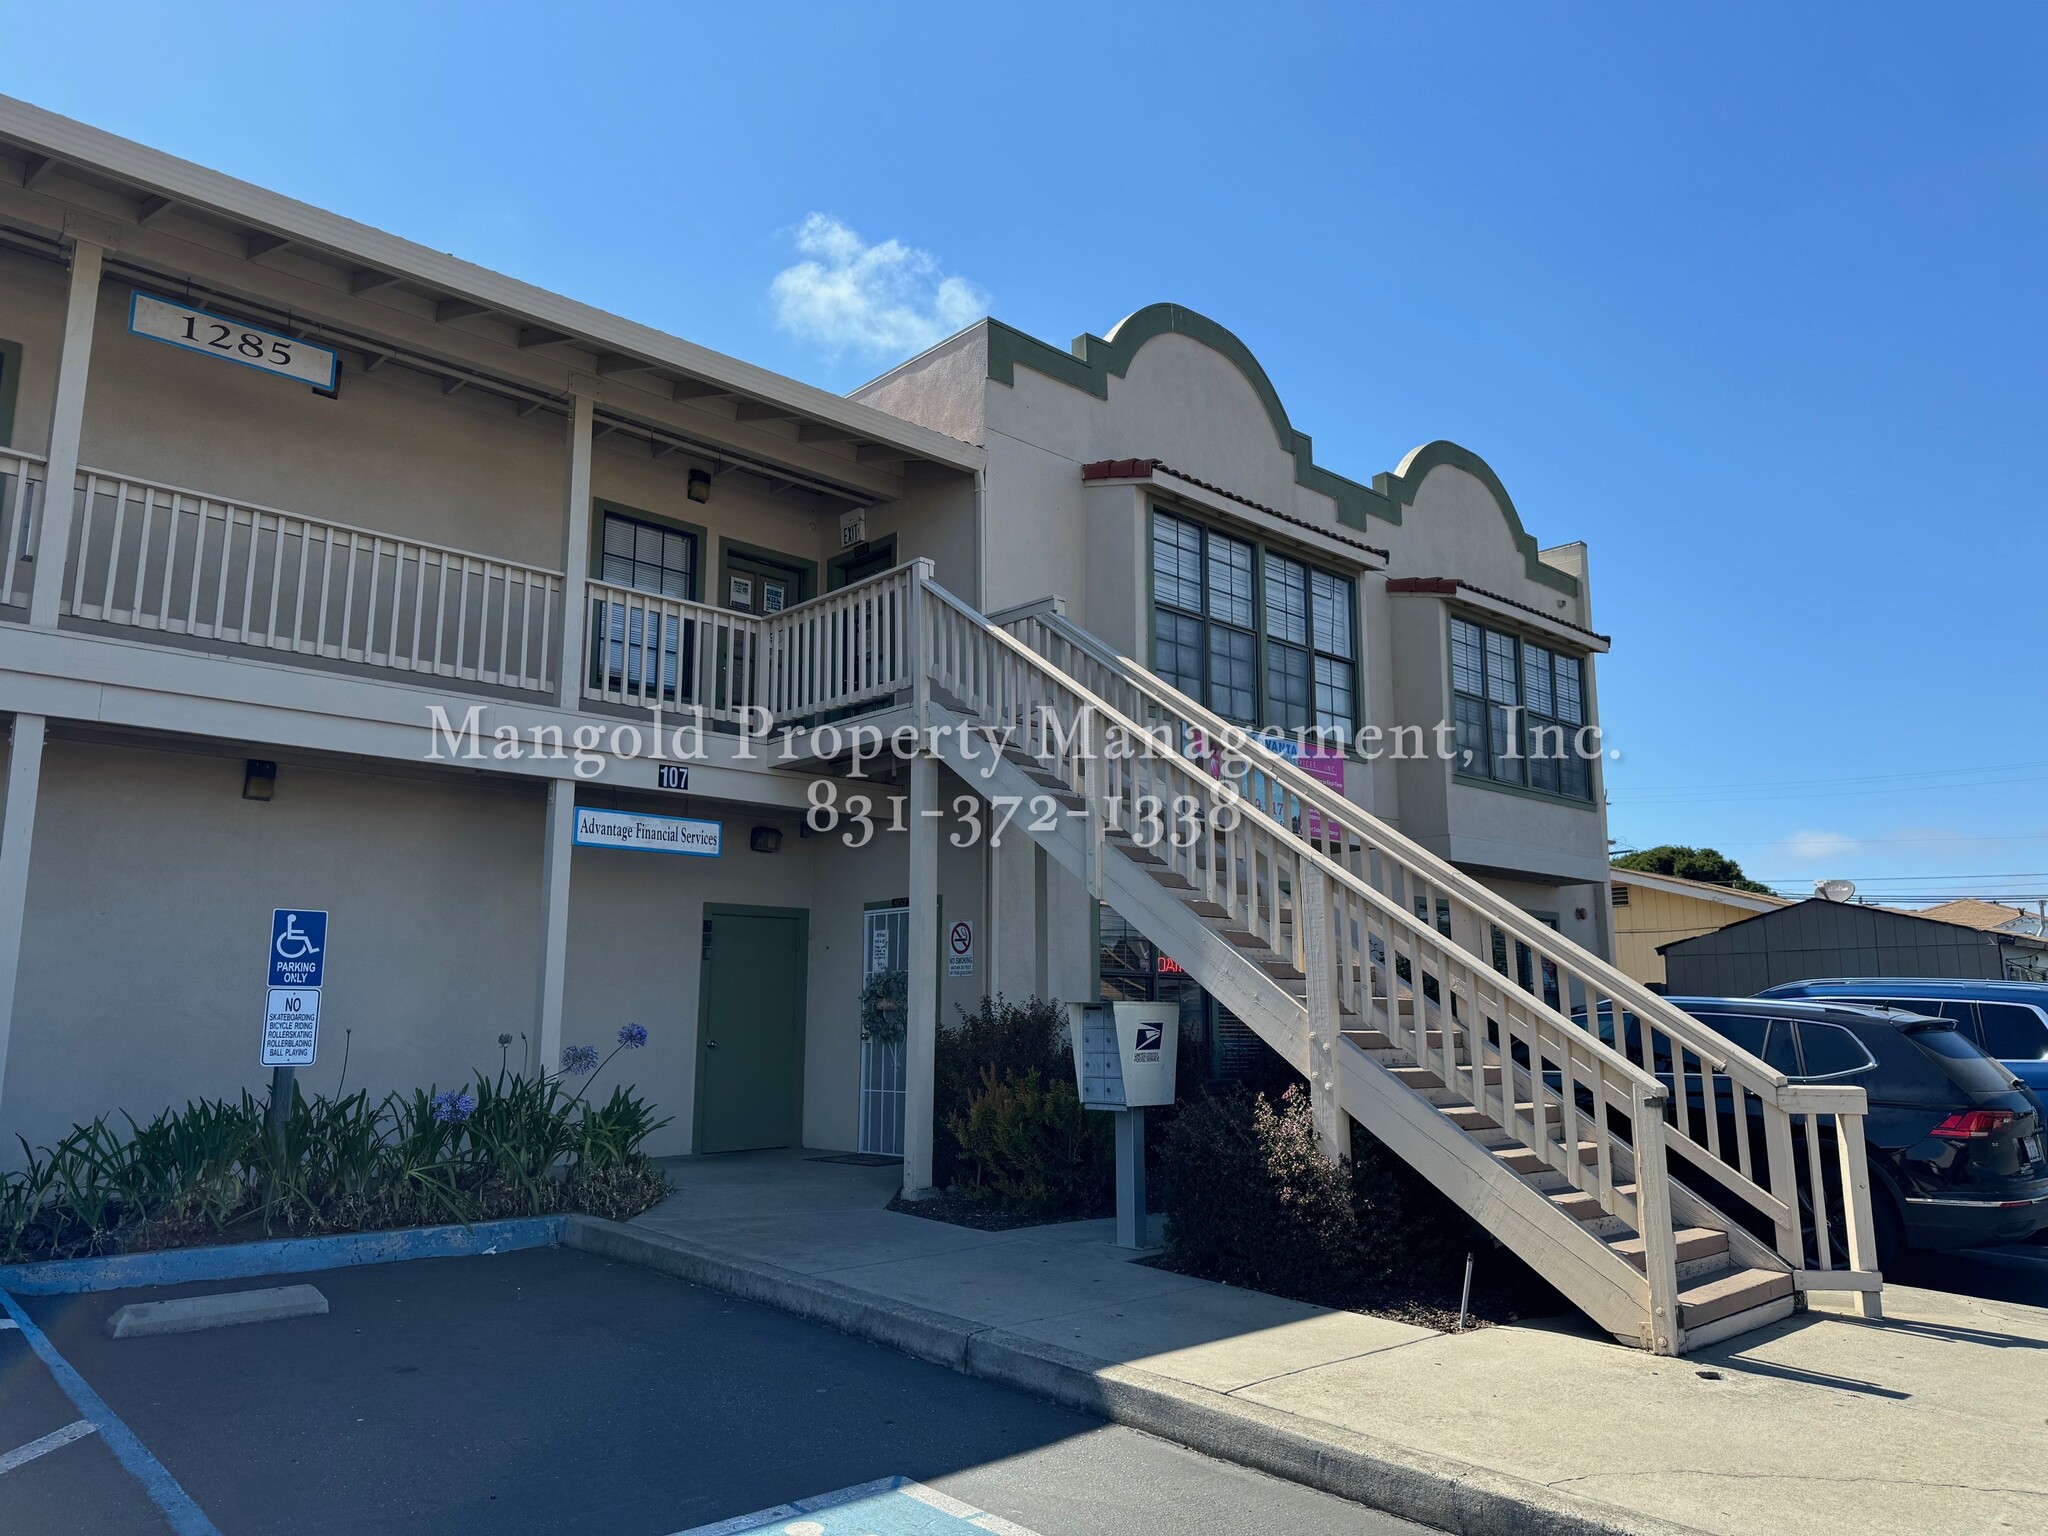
(298, 947)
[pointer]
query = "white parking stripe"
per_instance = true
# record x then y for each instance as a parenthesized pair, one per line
(55, 1440)
(7, 1323)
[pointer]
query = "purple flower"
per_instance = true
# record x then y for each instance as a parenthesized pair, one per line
(633, 1036)
(579, 1059)
(453, 1107)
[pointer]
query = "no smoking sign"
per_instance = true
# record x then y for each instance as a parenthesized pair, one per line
(960, 949)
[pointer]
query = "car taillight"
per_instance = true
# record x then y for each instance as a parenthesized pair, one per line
(1972, 1124)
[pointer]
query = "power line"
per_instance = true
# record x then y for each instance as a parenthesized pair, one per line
(1661, 797)
(1866, 778)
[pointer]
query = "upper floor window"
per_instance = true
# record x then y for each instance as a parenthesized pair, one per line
(1518, 707)
(1210, 626)
(633, 645)
(648, 557)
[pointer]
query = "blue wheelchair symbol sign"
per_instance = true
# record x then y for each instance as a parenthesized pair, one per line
(298, 947)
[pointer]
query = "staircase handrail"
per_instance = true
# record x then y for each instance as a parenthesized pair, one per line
(1721, 1053)
(1614, 1059)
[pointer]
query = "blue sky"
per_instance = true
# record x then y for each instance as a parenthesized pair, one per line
(1747, 296)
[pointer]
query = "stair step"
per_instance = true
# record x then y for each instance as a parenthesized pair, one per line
(1469, 1118)
(1729, 1292)
(1527, 1160)
(1172, 879)
(1578, 1205)
(1693, 1243)
(1423, 1079)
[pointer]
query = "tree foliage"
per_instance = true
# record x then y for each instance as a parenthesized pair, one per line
(1707, 864)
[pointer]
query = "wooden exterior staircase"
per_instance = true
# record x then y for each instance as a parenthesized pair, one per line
(1554, 1113)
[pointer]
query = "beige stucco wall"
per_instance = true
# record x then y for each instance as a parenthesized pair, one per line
(152, 883)
(1180, 401)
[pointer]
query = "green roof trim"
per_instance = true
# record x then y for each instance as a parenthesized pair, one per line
(1401, 487)
(1095, 359)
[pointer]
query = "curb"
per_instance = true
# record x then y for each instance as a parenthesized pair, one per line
(1438, 1491)
(281, 1256)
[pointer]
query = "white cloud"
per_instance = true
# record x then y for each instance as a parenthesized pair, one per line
(1820, 847)
(884, 300)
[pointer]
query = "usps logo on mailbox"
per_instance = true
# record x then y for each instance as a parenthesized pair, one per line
(1146, 1046)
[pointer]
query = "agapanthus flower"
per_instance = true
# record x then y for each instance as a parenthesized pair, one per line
(454, 1107)
(579, 1059)
(633, 1036)
(504, 1039)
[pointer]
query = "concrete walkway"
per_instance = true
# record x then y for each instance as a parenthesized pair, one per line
(1933, 1420)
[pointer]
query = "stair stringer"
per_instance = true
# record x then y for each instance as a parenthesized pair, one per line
(1609, 1289)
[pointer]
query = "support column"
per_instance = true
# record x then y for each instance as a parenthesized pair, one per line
(576, 544)
(544, 1048)
(67, 422)
(17, 827)
(920, 1040)
(991, 916)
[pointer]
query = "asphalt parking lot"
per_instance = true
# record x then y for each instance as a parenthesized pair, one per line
(550, 1391)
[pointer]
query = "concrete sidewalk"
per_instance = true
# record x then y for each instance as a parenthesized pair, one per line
(1932, 1420)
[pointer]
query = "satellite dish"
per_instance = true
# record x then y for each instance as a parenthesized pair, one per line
(1835, 890)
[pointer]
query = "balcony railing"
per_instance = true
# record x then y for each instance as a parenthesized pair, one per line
(835, 652)
(21, 484)
(179, 562)
(171, 561)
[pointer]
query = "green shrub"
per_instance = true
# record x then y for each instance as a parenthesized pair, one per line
(1252, 1201)
(1028, 1147)
(1409, 1232)
(1009, 1038)
(496, 1147)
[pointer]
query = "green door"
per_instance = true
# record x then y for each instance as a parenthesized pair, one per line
(750, 1028)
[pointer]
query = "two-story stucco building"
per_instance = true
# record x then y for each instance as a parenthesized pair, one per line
(284, 498)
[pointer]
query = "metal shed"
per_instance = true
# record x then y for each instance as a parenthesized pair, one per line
(1817, 938)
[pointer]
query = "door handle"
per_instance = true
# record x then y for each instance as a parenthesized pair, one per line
(710, 1045)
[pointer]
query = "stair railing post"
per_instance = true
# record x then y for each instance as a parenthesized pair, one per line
(1325, 1092)
(921, 647)
(1091, 799)
(1862, 1235)
(1662, 1333)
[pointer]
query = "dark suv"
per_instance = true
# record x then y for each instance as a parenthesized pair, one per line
(1954, 1141)
(2008, 1018)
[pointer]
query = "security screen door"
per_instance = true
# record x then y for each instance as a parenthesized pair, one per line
(750, 1029)
(885, 946)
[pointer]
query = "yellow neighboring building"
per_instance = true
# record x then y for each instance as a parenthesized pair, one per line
(1650, 910)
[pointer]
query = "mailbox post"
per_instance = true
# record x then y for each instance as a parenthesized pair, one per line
(1124, 1056)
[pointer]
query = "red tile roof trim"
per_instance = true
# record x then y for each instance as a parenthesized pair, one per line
(1450, 586)
(1144, 469)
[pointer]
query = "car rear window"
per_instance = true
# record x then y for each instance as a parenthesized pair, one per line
(2013, 1031)
(1965, 1061)
(1831, 1050)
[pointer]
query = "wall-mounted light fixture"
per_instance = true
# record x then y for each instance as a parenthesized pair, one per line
(765, 839)
(259, 779)
(700, 485)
